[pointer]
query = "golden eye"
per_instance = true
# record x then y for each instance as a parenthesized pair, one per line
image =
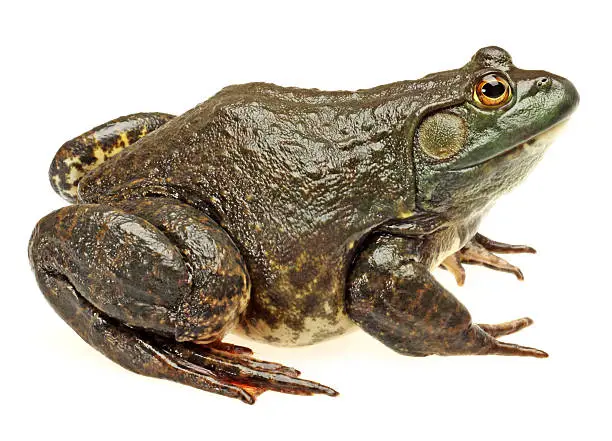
(492, 91)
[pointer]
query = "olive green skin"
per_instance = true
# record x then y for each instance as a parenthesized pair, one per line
(299, 178)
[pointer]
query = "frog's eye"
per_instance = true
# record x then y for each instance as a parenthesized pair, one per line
(492, 91)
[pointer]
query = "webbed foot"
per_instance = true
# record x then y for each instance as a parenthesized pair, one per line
(230, 373)
(480, 251)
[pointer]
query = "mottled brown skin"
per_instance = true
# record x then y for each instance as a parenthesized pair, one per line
(291, 215)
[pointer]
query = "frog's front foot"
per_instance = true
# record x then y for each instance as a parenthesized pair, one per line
(480, 251)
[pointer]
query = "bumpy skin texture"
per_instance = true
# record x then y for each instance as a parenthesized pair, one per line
(295, 177)
(304, 192)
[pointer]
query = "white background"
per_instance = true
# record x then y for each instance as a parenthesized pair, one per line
(67, 67)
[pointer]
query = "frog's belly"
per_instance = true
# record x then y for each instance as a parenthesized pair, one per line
(298, 304)
(316, 329)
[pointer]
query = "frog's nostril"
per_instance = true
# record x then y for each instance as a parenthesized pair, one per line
(543, 83)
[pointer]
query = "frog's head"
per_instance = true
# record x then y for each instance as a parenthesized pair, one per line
(486, 138)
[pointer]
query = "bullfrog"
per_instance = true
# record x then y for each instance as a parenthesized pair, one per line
(292, 216)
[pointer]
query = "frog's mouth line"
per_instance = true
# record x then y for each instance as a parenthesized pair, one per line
(538, 142)
(542, 140)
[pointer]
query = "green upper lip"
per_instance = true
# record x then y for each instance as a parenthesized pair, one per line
(474, 160)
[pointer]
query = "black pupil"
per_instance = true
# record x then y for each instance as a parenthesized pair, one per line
(493, 88)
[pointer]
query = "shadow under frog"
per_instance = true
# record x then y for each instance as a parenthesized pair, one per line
(291, 215)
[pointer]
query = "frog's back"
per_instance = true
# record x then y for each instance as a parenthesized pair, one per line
(295, 176)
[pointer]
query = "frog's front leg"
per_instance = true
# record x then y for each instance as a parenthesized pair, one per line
(480, 251)
(155, 285)
(393, 297)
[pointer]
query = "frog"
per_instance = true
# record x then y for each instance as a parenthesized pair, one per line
(292, 216)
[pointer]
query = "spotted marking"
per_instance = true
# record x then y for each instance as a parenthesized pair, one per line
(84, 153)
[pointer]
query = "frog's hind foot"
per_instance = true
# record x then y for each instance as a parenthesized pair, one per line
(480, 251)
(241, 375)
(85, 152)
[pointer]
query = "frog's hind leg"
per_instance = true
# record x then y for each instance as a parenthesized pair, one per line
(393, 296)
(85, 152)
(145, 282)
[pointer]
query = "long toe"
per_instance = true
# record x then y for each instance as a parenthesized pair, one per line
(500, 247)
(502, 348)
(506, 328)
